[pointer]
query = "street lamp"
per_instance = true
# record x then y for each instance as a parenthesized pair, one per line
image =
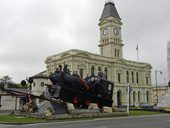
(157, 84)
(129, 90)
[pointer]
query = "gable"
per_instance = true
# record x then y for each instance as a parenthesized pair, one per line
(120, 61)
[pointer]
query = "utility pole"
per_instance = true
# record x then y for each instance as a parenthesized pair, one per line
(157, 85)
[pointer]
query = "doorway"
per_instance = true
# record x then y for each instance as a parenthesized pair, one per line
(119, 98)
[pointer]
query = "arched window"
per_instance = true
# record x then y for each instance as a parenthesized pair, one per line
(127, 76)
(132, 77)
(119, 98)
(147, 96)
(137, 77)
(134, 96)
(92, 70)
(105, 72)
(34, 84)
(81, 72)
(99, 68)
(117, 52)
(147, 80)
(139, 96)
(119, 77)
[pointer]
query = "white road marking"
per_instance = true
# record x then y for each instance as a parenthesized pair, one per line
(5, 126)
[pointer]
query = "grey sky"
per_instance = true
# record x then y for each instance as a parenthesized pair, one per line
(31, 30)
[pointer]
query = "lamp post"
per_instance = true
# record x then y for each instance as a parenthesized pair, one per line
(157, 84)
(128, 89)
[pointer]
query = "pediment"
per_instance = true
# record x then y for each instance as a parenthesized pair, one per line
(148, 66)
(120, 61)
(86, 55)
(65, 55)
(74, 52)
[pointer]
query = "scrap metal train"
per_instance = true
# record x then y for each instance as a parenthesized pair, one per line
(81, 92)
(73, 89)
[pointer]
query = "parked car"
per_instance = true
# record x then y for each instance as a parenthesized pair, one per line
(146, 106)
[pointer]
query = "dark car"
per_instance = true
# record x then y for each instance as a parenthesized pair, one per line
(146, 106)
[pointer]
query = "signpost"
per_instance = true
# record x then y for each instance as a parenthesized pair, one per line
(128, 89)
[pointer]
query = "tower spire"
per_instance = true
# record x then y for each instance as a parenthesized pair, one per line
(110, 10)
(109, 1)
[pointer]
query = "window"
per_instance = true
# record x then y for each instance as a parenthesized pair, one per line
(134, 96)
(42, 84)
(115, 52)
(132, 77)
(81, 72)
(99, 68)
(119, 77)
(92, 70)
(147, 96)
(127, 76)
(139, 96)
(105, 71)
(137, 77)
(147, 80)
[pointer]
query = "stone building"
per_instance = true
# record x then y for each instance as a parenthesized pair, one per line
(157, 92)
(119, 70)
(11, 102)
(38, 86)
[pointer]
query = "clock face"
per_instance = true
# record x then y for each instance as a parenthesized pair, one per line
(105, 31)
(115, 31)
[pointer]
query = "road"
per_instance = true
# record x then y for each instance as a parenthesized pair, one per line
(155, 121)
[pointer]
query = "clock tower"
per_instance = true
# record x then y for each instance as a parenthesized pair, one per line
(110, 32)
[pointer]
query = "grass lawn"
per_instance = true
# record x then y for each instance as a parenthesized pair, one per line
(141, 113)
(19, 119)
(23, 119)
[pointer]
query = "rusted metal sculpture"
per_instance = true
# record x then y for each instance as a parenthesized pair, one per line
(73, 89)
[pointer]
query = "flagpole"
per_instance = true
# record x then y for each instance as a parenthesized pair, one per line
(137, 49)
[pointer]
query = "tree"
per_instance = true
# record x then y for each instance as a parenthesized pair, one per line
(6, 81)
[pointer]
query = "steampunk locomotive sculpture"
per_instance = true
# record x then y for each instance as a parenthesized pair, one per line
(81, 92)
(72, 89)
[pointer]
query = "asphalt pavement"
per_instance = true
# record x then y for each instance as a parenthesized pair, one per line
(154, 121)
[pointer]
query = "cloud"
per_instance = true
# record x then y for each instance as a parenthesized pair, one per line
(31, 30)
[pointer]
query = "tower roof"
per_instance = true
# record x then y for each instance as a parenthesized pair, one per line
(110, 10)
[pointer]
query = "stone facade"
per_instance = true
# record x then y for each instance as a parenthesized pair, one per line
(38, 86)
(9, 102)
(157, 92)
(122, 72)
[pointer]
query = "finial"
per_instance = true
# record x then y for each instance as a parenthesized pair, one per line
(109, 1)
